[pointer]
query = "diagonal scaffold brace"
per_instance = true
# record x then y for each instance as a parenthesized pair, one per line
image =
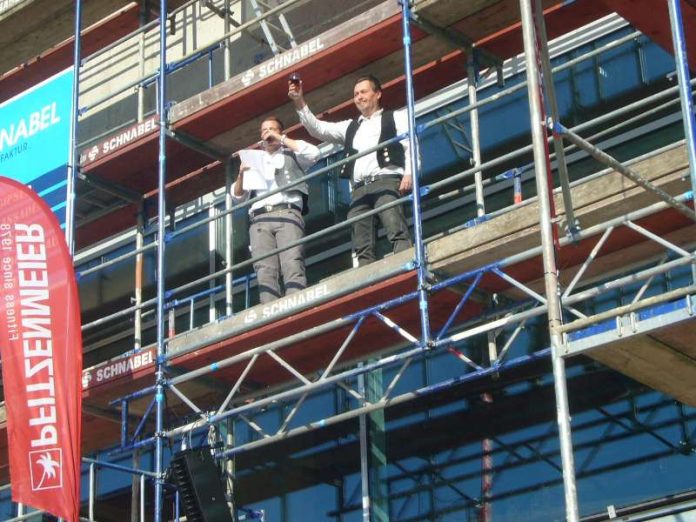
(615, 164)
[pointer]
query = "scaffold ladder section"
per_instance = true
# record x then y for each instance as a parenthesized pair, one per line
(268, 28)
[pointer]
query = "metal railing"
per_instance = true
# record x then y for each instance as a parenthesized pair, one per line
(439, 186)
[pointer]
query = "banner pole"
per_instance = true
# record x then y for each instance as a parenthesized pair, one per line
(161, 242)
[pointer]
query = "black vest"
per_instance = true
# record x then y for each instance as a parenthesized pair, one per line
(290, 172)
(392, 154)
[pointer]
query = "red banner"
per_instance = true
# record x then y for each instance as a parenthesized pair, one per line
(41, 347)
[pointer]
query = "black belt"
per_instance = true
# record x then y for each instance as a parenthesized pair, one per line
(371, 179)
(272, 208)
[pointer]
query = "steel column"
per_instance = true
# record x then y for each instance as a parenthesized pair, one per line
(376, 439)
(375, 504)
(538, 126)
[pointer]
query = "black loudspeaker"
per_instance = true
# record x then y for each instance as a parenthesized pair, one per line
(201, 490)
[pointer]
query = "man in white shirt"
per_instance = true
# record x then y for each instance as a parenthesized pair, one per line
(377, 178)
(276, 221)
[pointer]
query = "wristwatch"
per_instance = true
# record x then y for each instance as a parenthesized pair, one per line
(282, 140)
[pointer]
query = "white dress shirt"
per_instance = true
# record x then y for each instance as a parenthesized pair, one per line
(306, 157)
(367, 136)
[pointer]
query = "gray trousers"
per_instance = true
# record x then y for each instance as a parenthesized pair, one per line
(364, 234)
(276, 230)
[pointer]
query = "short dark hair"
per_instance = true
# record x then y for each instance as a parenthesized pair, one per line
(275, 119)
(376, 85)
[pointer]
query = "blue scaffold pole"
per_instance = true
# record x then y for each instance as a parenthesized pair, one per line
(74, 157)
(415, 170)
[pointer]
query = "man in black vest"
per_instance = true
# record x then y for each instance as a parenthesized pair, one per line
(377, 178)
(276, 221)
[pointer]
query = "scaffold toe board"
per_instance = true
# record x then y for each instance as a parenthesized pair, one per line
(334, 299)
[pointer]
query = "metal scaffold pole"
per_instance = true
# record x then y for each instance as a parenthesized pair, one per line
(227, 53)
(684, 79)
(413, 152)
(161, 219)
(139, 277)
(74, 156)
(538, 126)
(229, 242)
(550, 89)
(364, 466)
(471, 76)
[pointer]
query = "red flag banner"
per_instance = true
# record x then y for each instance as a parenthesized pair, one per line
(41, 348)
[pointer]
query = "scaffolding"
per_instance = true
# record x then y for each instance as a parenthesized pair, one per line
(418, 303)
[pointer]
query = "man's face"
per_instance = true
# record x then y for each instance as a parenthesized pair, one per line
(270, 130)
(366, 98)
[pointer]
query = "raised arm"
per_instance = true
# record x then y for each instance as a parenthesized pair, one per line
(332, 132)
(306, 153)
